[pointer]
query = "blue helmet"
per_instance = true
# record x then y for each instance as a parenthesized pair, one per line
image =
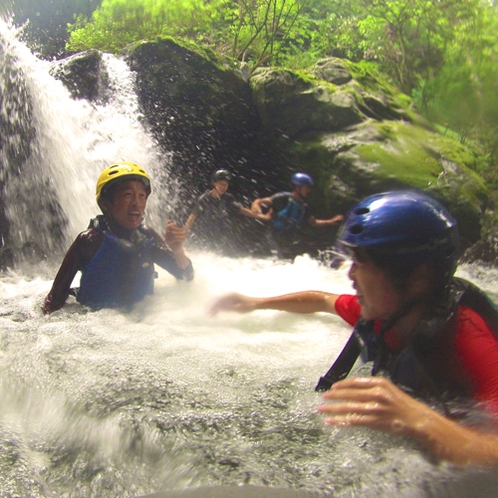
(405, 223)
(301, 179)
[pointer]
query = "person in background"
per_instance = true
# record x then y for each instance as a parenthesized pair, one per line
(216, 209)
(116, 254)
(427, 340)
(289, 215)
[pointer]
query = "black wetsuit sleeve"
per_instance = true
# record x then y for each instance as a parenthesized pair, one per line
(162, 256)
(200, 205)
(77, 257)
(233, 205)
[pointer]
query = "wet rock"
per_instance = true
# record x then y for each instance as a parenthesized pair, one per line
(83, 74)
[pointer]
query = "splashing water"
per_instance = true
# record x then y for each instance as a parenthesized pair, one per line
(107, 404)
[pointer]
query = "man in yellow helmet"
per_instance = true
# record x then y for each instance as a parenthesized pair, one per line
(116, 254)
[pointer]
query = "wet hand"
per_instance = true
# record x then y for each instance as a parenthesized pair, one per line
(373, 402)
(174, 236)
(266, 216)
(232, 302)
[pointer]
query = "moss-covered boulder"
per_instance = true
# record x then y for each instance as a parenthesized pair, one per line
(198, 106)
(358, 135)
(331, 96)
(291, 103)
(382, 155)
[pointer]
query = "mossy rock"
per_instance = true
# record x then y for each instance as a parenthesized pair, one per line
(190, 96)
(377, 156)
(291, 103)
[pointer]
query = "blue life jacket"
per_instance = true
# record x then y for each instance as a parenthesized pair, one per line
(120, 274)
(291, 216)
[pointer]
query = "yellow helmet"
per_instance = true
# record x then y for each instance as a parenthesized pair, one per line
(121, 171)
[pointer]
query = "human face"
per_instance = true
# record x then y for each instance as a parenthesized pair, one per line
(221, 186)
(376, 294)
(128, 204)
(303, 191)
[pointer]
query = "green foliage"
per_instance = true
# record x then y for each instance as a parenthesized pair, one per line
(463, 95)
(117, 23)
(443, 53)
(254, 31)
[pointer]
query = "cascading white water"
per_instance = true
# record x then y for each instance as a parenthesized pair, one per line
(112, 404)
(73, 141)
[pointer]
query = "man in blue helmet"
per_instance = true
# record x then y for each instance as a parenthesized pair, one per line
(289, 215)
(428, 340)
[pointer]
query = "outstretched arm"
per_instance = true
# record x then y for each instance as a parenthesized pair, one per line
(258, 205)
(377, 403)
(331, 221)
(298, 302)
(252, 214)
(189, 222)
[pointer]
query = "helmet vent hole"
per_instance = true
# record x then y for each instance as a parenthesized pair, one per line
(356, 229)
(362, 210)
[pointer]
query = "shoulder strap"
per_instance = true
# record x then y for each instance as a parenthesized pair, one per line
(472, 296)
(342, 365)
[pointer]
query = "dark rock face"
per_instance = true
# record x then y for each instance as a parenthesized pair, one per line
(16, 131)
(352, 131)
(201, 111)
(83, 75)
(485, 250)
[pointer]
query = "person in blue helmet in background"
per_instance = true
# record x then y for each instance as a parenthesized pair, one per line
(426, 340)
(289, 215)
(116, 254)
(216, 209)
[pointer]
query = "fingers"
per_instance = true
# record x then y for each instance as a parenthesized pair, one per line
(174, 235)
(372, 402)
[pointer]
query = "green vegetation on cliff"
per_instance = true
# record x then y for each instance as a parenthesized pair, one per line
(443, 54)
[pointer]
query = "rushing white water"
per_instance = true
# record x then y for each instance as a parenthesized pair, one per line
(108, 404)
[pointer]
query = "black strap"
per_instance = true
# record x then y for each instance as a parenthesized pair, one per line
(342, 365)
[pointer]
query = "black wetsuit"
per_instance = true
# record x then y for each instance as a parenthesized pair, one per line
(216, 228)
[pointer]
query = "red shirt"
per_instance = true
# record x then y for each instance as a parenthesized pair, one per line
(475, 344)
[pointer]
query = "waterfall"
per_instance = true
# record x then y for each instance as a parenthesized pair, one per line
(57, 146)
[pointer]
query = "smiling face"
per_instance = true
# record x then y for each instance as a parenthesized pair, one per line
(302, 191)
(220, 187)
(128, 204)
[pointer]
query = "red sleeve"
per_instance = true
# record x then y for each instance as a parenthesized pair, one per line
(478, 349)
(347, 308)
